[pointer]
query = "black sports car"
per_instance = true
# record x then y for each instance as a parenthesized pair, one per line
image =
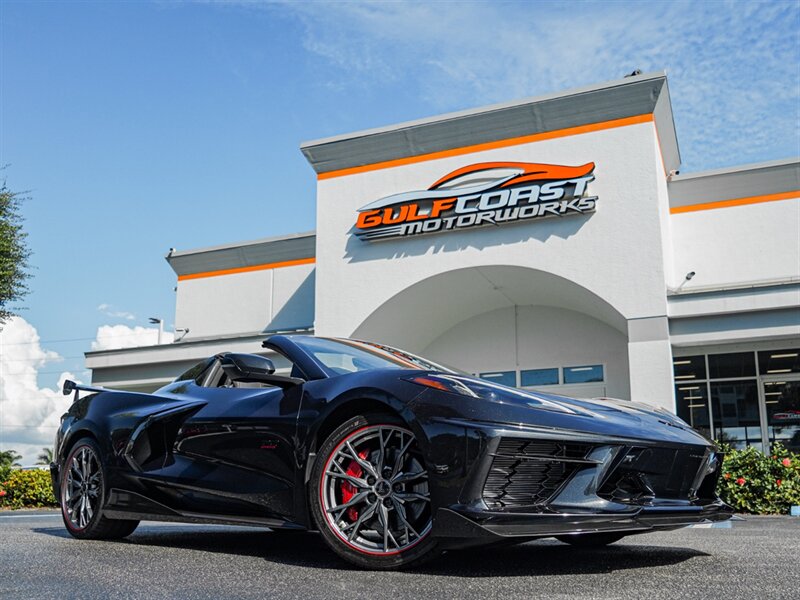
(391, 457)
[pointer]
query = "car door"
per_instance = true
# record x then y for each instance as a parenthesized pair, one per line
(228, 451)
(232, 451)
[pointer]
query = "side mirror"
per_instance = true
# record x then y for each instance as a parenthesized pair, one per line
(255, 368)
(246, 367)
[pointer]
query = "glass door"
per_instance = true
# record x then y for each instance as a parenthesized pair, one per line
(782, 402)
(737, 418)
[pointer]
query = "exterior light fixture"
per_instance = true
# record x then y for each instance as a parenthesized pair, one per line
(160, 323)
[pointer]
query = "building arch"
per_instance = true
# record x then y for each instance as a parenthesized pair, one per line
(417, 315)
(515, 317)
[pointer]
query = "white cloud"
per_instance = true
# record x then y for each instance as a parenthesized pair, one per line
(112, 337)
(108, 311)
(732, 65)
(29, 415)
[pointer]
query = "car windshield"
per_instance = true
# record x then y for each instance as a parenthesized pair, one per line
(348, 356)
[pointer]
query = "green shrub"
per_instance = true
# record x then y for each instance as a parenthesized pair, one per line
(758, 483)
(27, 489)
(5, 473)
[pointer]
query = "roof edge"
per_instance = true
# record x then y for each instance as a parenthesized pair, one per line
(483, 110)
(755, 183)
(781, 162)
(257, 335)
(268, 240)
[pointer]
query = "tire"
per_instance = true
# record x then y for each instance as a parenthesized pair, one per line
(591, 540)
(83, 492)
(387, 520)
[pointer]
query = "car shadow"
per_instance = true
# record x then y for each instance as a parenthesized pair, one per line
(549, 557)
(304, 549)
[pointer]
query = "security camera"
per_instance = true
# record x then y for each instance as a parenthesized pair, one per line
(689, 275)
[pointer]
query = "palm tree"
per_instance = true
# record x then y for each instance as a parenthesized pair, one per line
(46, 457)
(9, 458)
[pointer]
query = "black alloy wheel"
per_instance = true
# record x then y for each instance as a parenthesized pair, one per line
(83, 493)
(369, 494)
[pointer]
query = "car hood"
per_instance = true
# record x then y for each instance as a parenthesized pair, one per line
(500, 404)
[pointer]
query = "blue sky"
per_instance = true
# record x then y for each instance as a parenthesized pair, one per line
(140, 126)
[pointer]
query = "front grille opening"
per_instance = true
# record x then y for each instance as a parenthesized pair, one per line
(542, 448)
(628, 488)
(528, 473)
(707, 490)
(647, 474)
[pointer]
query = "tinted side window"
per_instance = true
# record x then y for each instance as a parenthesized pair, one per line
(533, 377)
(739, 364)
(586, 374)
(690, 367)
(508, 378)
(775, 362)
(197, 372)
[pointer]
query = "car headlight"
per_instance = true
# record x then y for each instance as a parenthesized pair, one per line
(445, 383)
(486, 390)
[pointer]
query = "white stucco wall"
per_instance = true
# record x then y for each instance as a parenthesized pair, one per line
(535, 337)
(737, 244)
(271, 299)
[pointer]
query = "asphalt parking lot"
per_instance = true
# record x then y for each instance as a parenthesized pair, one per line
(757, 558)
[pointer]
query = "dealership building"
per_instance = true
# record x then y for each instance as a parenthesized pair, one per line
(548, 243)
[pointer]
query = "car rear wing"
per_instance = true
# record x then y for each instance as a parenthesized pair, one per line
(70, 386)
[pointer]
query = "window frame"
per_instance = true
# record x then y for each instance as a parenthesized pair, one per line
(514, 372)
(592, 366)
(559, 377)
(759, 378)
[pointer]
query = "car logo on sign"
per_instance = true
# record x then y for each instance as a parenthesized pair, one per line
(491, 193)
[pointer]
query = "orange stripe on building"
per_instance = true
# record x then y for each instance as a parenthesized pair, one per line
(526, 139)
(248, 269)
(735, 202)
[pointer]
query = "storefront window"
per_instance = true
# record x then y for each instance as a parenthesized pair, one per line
(692, 404)
(783, 412)
(740, 394)
(735, 408)
(778, 362)
(689, 367)
(536, 377)
(585, 374)
(508, 378)
(724, 366)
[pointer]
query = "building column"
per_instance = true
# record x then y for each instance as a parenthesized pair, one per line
(650, 362)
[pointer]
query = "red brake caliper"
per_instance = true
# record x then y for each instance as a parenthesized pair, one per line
(348, 489)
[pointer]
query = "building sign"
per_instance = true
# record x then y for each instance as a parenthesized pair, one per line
(493, 193)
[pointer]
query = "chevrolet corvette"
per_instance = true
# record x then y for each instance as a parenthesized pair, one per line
(392, 458)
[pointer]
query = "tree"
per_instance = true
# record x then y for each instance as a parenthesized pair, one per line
(46, 457)
(8, 460)
(14, 253)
